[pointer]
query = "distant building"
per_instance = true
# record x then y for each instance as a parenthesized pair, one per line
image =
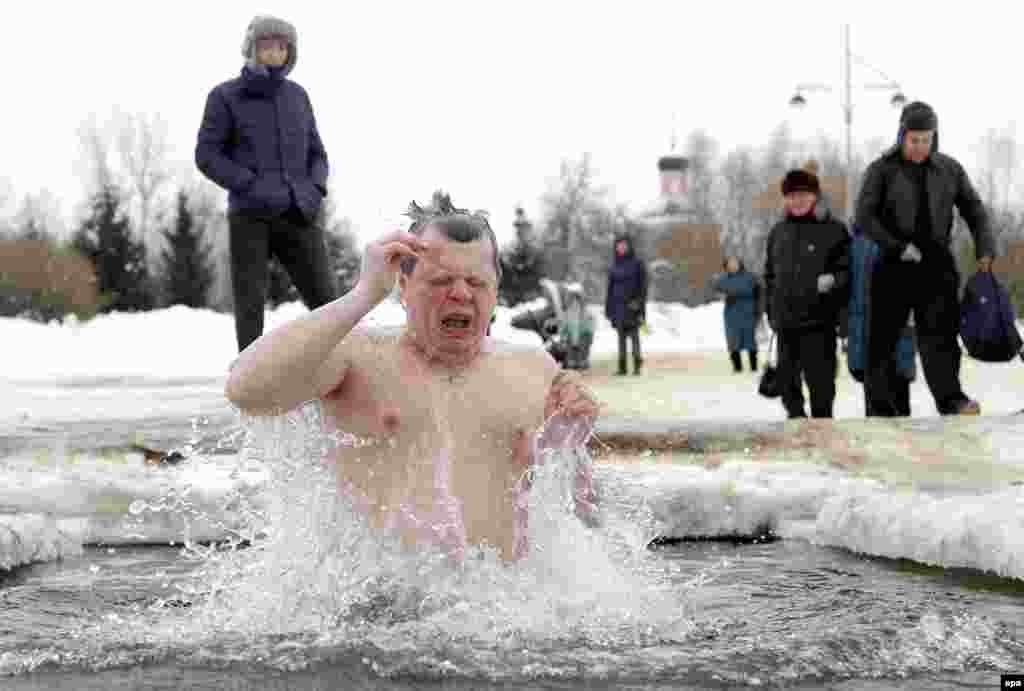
(681, 253)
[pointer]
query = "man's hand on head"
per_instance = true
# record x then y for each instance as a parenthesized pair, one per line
(381, 262)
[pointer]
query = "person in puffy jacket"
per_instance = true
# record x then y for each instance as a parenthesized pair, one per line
(806, 281)
(626, 303)
(259, 141)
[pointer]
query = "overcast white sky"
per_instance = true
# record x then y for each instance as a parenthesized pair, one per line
(485, 99)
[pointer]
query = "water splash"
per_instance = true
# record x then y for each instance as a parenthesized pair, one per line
(308, 576)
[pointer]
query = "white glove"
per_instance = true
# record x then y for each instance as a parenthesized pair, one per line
(911, 253)
(826, 282)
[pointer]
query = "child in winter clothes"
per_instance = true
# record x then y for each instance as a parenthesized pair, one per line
(576, 329)
(806, 282)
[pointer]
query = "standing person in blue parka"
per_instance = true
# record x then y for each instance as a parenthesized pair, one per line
(902, 365)
(259, 141)
(740, 290)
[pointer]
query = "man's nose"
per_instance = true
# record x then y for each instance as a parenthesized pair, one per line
(460, 290)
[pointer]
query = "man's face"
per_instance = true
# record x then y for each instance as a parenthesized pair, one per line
(799, 203)
(732, 264)
(917, 144)
(450, 296)
(271, 51)
(620, 247)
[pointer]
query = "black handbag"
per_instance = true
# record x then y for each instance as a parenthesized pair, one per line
(769, 385)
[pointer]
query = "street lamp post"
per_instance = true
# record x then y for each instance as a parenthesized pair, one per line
(897, 100)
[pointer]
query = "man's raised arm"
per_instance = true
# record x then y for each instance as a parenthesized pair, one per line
(300, 360)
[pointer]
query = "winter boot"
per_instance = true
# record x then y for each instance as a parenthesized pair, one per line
(737, 363)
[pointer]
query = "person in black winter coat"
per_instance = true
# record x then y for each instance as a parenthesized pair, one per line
(626, 303)
(806, 284)
(259, 141)
(906, 206)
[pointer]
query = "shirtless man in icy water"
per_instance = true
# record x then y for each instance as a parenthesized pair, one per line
(446, 416)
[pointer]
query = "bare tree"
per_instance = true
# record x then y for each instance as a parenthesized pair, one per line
(6, 196)
(739, 218)
(143, 152)
(39, 217)
(565, 209)
(702, 152)
(777, 155)
(998, 168)
(94, 157)
(129, 153)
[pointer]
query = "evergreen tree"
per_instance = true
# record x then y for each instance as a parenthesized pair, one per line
(344, 255)
(122, 272)
(187, 270)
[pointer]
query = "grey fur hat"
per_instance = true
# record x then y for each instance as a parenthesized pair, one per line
(267, 26)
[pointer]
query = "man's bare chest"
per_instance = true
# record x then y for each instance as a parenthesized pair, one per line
(403, 404)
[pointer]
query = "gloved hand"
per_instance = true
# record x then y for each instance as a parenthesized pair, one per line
(826, 282)
(911, 253)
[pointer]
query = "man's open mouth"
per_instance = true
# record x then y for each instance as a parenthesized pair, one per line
(456, 322)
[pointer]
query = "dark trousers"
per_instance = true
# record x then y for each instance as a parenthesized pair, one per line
(897, 402)
(299, 246)
(737, 360)
(633, 335)
(808, 355)
(929, 289)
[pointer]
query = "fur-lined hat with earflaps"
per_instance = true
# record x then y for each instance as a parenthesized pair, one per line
(265, 26)
(918, 116)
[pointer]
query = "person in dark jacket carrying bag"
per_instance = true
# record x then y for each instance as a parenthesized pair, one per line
(259, 141)
(806, 283)
(626, 303)
(906, 206)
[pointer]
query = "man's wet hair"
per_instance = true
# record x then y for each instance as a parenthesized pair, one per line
(458, 225)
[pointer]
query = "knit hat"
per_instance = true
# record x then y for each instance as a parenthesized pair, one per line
(800, 181)
(264, 27)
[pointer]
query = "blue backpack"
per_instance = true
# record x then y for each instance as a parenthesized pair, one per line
(988, 326)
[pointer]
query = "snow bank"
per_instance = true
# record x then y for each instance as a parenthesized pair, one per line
(184, 343)
(983, 532)
(27, 538)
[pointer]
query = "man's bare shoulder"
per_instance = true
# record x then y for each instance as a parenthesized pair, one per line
(369, 338)
(532, 357)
